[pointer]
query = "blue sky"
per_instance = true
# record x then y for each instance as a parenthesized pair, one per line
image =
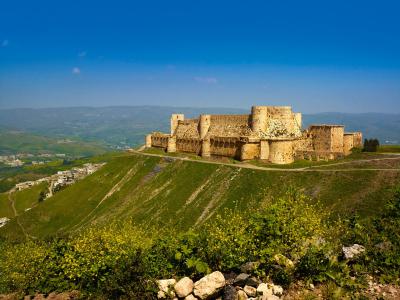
(314, 55)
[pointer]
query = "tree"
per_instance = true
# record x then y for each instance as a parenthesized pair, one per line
(371, 145)
(42, 196)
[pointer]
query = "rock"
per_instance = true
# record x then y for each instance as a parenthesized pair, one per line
(253, 281)
(269, 297)
(229, 278)
(230, 293)
(190, 297)
(312, 286)
(250, 291)
(165, 287)
(241, 279)
(242, 295)
(39, 297)
(209, 285)
(249, 266)
(277, 290)
(184, 287)
(352, 251)
(263, 289)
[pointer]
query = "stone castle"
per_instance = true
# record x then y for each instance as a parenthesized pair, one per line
(270, 133)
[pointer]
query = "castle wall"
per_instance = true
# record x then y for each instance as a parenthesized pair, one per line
(205, 148)
(159, 140)
(348, 143)
(321, 138)
(191, 145)
(281, 151)
(225, 146)
(270, 133)
(337, 134)
(171, 146)
(264, 150)
(249, 151)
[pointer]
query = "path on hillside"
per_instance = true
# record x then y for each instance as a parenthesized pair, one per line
(303, 169)
(12, 202)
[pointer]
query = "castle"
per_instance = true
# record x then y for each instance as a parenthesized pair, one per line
(270, 133)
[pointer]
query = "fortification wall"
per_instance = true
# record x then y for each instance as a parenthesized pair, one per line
(250, 151)
(281, 151)
(348, 143)
(225, 146)
(264, 150)
(327, 137)
(337, 134)
(191, 145)
(233, 120)
(159, 140)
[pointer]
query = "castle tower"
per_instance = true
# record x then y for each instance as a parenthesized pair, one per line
(205, 122)
(206, 148)
(298, 118)
(171, 147)
(148, 141)
(175, 118)
(258, 118)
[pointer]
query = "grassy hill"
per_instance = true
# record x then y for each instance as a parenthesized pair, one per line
(12, 142)
(184, 194)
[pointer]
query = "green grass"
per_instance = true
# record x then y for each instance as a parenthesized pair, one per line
(28, 198)
(5, 207)
(185, 194)
(389, 149)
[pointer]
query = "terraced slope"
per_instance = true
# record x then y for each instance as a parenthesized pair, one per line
(161, 191)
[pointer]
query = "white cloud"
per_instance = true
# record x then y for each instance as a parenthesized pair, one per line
(76, 71)
(209, 80)
(5, 43)
(82, 54)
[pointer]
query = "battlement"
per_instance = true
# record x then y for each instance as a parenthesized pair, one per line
(272, 133)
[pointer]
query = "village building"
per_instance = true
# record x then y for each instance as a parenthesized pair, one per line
(270, 133)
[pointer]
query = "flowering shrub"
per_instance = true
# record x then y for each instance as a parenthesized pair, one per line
(288, 237)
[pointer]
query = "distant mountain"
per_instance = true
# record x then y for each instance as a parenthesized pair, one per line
(127, 125)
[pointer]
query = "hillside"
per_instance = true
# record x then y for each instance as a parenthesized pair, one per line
(13, 142)
(163, 191)
(122, 126)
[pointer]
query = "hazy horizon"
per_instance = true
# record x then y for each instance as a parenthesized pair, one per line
(314, 56)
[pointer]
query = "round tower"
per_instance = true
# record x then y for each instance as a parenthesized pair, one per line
(205, 122)
(148, 141)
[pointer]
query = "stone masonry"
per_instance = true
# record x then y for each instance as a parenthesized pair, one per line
(270, 133)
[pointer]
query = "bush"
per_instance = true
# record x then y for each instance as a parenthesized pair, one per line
(288, 237)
